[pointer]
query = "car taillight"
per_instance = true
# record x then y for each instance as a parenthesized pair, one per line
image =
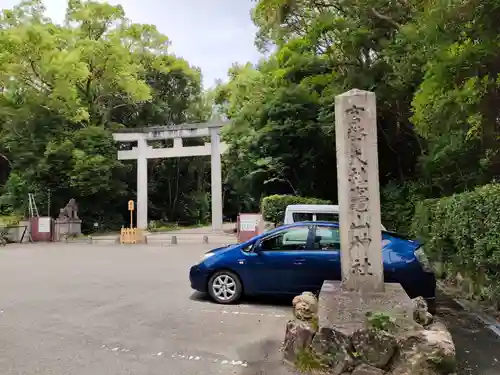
(423, 260)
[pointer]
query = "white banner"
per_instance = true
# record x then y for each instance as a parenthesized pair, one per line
(248, 225)
(44, 225)
(249, 222)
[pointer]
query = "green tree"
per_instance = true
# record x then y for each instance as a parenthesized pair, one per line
(433, 66)
(455, 106)
(65, 88)
(282, 110)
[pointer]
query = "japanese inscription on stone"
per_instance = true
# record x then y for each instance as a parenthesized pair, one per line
(359, 236)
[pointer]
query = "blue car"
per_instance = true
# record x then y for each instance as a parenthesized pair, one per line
(298, 257)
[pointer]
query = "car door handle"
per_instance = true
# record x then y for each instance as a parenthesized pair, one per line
(299, 261)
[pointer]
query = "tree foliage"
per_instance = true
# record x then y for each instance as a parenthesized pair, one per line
(65, 88)
(432, 64)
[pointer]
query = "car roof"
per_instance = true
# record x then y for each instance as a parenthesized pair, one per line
(336, 225)
(310, 222)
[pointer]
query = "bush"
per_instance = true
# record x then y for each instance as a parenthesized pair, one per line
(9, 220)
(398, 205)
(273, 207)
(462, 232)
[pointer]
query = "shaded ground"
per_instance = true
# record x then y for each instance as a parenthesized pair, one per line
(77, 309)
(478, 348)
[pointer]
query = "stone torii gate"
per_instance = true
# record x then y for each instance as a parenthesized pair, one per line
(142, 152)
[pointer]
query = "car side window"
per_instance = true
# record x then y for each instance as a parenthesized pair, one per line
(287, 240)
(326, 238)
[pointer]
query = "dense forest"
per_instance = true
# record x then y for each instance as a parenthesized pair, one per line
(434, 66)
(67, 87)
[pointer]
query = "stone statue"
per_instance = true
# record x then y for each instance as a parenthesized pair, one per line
(305, 306)
(70, 211)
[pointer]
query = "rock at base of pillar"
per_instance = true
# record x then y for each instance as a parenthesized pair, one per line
(298, 335)
(347, 332)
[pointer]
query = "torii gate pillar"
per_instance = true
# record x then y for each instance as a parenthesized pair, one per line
(143, 152)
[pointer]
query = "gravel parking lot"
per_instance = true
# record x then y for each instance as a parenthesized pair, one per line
(78, 309)
(111, 309)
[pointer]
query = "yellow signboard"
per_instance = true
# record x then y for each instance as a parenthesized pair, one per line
(131, 205)
(132, 236)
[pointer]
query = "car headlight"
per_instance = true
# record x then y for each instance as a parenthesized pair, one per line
(206, 256)
(423, 260)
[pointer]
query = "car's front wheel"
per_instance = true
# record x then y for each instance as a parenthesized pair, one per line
(225, 287)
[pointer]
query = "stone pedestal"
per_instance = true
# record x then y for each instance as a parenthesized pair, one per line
(346, 311)
(366, 333)
(67, 228)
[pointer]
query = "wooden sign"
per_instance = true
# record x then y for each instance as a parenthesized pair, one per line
(132, 236)
(131, 209)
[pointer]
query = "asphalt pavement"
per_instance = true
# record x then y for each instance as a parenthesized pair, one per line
(99, 310)
(79, 309)
(478, 348)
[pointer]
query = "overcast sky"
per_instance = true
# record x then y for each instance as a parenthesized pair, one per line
(210, 34)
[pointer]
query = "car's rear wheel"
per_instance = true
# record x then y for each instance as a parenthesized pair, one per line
(225, 287)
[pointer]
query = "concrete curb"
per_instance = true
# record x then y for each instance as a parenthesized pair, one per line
(167, 244)
(163, 241)
(490, 322)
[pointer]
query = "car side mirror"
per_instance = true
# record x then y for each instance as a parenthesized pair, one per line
(257, 248)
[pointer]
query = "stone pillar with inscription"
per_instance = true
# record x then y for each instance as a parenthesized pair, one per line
(358, 191)
(343, 304)
(364, 326)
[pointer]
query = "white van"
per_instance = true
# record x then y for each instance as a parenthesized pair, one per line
(312, 212)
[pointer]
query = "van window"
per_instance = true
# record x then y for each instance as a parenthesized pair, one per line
(302, 216)
(327, 216)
